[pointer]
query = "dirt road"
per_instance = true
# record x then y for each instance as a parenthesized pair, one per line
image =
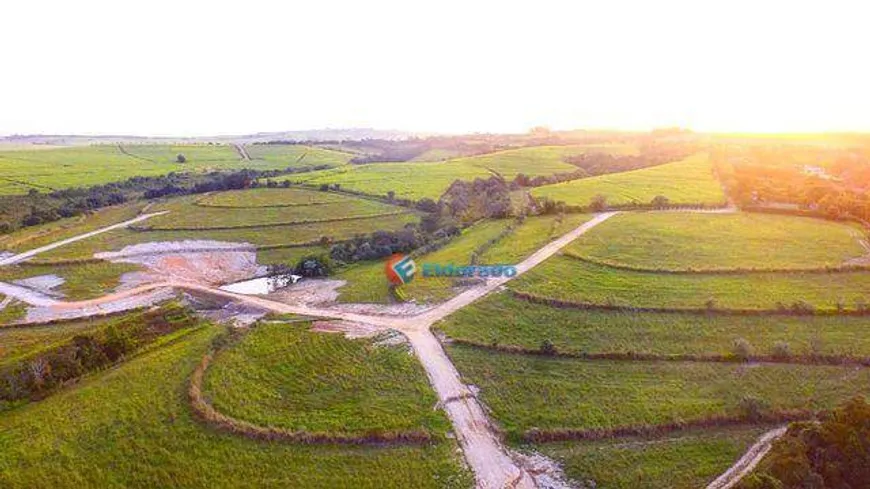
(29, 254)
(492, 464)
(240, 149)
(748, 461)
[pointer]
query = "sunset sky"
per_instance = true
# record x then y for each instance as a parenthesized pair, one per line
(204, 67)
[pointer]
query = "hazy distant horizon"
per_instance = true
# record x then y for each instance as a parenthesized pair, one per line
(194, 68)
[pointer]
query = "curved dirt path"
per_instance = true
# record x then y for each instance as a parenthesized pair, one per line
(748, 461)
(492, 464)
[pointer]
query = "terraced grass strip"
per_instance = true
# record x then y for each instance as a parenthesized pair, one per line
(503, 322)
(529, 393)
(572, 281)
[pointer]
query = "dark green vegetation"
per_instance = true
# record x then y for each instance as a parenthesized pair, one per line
(36, 371)
(528, 392)
(688, 460)
(830, 454)
(503, 321)
(697, 242)
(285, 376)
(132, 427)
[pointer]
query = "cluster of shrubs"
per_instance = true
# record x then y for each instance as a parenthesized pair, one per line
(481, 198)
(38, 375)
(381, 244)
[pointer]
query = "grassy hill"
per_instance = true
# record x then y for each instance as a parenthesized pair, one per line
(296, 155)
(131, 426)
(285, 376)
(681, 241)
(689, 181)
(418, 180)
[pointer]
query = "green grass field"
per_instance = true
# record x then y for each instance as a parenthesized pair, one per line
(505, 321)
(531, 391)
(408, 180)
(296, 155)
(367, 283)
(689, 181)
(418, 180)
(131, 426)
(531, 235)
(58, 168)
(185, 214)
(270, 197)
(688, 460)
(566, 278)
(537, 160)
(199, 155)
(82, 280)
(295, 234)
(682, 241)
(283, 375)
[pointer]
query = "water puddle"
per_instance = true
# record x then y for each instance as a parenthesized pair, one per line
(262, 285)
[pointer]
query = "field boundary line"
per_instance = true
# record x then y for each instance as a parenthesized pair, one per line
(826, 360)
(650, 430)
(243, 153)
(716, 311)
(274, 224)
(124, 151)
(714, 271)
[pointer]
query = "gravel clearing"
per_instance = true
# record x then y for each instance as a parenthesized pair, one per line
(44, 284)
(205, 262)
